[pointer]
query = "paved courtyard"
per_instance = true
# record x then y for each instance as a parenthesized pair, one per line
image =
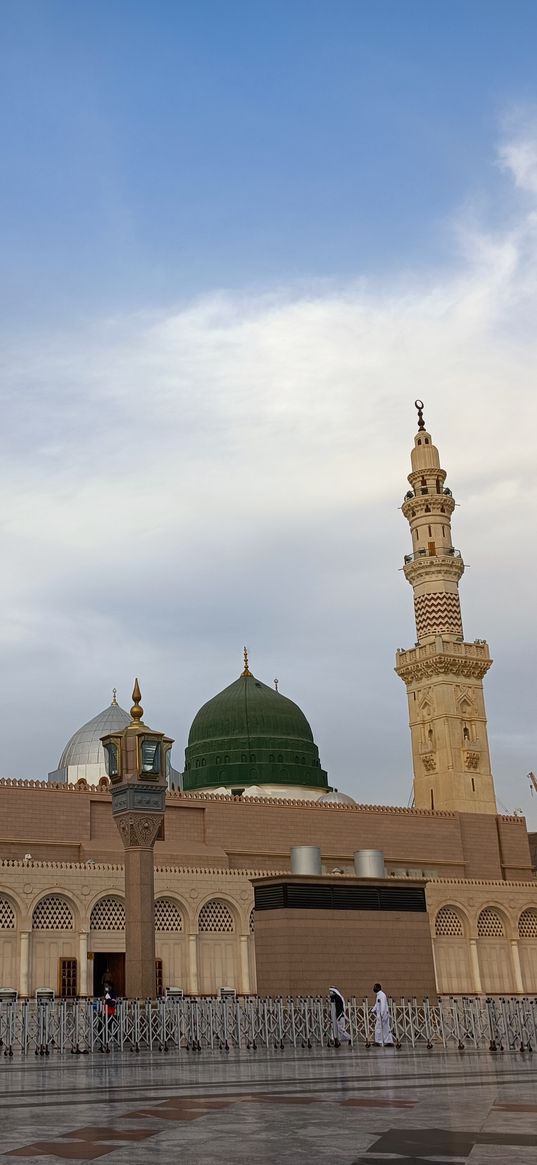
(334, 1107)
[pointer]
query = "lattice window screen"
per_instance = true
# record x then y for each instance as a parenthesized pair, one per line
(7, 915)
(52, 913)
(490, 924)
(108, 914)
(168, 915)
(216, 918)
(252, 921)
(448, 924)
(527, 923)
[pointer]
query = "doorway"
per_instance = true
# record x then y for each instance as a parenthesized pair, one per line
(109, 966)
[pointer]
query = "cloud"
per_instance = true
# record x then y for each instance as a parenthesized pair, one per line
(178, 483)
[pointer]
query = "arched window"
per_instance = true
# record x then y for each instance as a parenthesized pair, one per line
(168, 916)
(52, 913)
(490, 923)
(108, 914)
(7, 914)
(527, 923)
(216, 918)
(448, 923)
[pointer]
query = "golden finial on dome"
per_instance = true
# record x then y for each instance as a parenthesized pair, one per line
(136, 710)
(114, 694)
(246, 671)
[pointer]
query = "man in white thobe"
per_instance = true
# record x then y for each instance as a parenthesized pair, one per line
(383, 1032)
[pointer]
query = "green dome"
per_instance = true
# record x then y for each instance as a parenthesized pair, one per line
(249, 734)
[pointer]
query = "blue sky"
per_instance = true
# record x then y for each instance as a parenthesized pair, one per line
(238, 240)
(159, 150)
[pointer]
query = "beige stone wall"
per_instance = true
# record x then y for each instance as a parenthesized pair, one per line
(76, 825)
(47, 909)
(484, 936)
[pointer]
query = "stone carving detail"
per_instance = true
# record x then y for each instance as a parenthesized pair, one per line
(464, 695)
(139, 829)
(426, 702)
(429, 762)
(471, 760)
(437, 613)
(441, 665)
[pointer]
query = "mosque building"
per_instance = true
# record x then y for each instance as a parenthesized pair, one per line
(450, 907)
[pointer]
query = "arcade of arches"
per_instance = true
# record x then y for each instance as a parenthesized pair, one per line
(62, 927)
(72, 939)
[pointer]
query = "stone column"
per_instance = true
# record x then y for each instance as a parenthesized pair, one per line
(139, 832)
(244, 964)
(517, 969)
(474, 961)
(193, 964)
(83, 961)
(24, 971)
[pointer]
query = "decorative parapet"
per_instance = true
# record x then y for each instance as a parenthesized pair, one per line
(424, 503)
(431, 566)
(443, 657)
(95, 867)
(495, 884)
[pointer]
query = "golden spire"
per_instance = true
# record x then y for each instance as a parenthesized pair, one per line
(136, 710)
(246, 671)
(114, 694)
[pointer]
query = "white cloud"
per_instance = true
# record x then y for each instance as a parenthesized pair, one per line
(176, 484)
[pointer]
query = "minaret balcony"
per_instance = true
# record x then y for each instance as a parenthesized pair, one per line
(439, 552)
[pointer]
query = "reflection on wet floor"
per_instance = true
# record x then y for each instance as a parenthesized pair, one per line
(331, 1106)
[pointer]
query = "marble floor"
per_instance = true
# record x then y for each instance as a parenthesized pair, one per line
(334, 1107)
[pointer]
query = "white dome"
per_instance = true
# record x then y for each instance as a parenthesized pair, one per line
(335, 798)
(84, 747)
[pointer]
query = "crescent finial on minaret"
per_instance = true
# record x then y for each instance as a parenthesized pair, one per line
(421, 422)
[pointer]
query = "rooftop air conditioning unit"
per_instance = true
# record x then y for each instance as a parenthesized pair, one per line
(174, 993)
(227, 993)
(44, 995)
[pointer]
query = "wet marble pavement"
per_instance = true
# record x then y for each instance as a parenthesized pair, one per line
(334, 1107)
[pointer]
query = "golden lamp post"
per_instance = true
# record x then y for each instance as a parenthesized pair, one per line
(138, 763)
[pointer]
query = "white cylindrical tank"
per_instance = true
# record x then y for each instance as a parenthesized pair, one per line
(305, 859)
(369, 863)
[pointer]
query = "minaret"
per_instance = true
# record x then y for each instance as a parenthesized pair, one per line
(443, 674)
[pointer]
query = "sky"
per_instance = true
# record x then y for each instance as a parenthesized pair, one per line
(237, 242)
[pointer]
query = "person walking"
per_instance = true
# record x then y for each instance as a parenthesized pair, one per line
(338, 1002)
(381, 1011)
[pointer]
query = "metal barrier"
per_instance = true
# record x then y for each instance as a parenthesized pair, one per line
(193, 1024)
